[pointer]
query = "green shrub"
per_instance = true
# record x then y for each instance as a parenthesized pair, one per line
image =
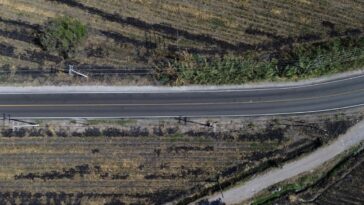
(62, 35)
(216, 23)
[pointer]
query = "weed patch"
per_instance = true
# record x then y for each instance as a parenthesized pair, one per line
(300, 62)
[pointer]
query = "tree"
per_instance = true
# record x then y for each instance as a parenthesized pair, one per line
(62, 35)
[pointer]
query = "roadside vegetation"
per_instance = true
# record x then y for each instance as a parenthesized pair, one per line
(299, 62)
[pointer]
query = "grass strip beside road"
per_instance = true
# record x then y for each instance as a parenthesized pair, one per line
(303, 61)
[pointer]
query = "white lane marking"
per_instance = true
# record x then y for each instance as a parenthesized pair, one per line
(152, 89)
(200, 116)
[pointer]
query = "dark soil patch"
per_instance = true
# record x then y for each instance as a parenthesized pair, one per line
(178, 149)
(22, 35)
(20, 24)
(119, 38)
(59, 198)
(80, 170)
(7, 50)
(40, 57)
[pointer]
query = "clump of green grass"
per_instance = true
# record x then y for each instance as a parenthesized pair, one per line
(283, 190)
(121, 122)
(216, 23)
(62, 35)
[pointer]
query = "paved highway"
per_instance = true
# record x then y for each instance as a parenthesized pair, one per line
(325, 96)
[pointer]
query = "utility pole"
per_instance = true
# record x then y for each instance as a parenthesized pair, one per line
(185, 121)
(4, 118)
(72, 71)
(217, 179)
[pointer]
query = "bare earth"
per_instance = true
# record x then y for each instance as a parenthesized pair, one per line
(247, 190)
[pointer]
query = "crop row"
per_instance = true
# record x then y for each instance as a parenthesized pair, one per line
(58, 198)
(259, 7)
(33, 56)
(257, 14)
(147, 26)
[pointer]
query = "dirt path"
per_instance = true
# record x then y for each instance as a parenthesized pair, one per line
(247, 190)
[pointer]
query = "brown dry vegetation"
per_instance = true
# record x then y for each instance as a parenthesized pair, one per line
(129, 36)
(149, 161)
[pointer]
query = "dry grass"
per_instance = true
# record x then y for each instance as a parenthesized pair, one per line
(204, 25)
(147, 169)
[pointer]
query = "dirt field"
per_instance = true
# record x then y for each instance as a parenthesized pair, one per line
(342, 184)
(128, 37)
(349, 190)
(149, 161)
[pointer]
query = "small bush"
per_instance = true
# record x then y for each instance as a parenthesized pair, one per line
(49, 133)
(92, 132)
(20, 132)
(36, 132)
(112, 132)
(61, 133)
(62, 35)
(138, 132)
(7, 133)
(76, 134)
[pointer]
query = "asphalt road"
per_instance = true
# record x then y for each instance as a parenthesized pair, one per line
(331, 95)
